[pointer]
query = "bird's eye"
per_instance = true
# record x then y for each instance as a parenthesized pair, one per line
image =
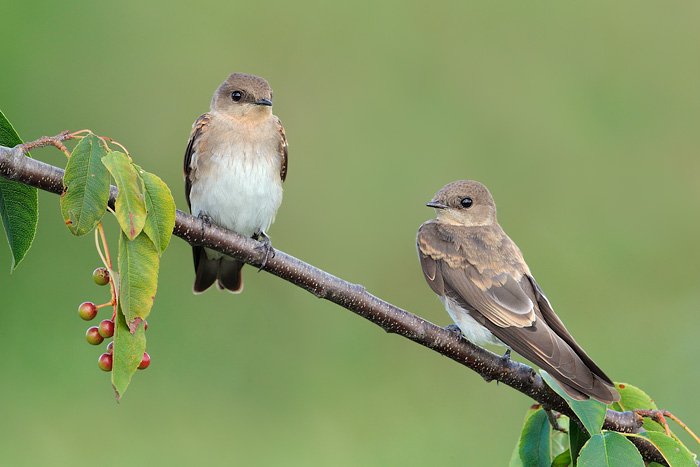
(236, 96)
(467, 202)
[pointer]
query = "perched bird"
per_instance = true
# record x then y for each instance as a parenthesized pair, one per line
(484, 283)
(235, 163)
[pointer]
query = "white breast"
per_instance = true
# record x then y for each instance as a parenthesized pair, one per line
(239, 188)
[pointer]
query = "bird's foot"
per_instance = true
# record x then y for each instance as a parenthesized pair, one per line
(267, 248)
(505, 360)
(206, 222)
(454, 329)
(506, 357)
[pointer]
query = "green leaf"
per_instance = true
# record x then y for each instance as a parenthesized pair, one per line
(515, 457)
(562, 460)
(129, 207)
(609, 449)
(19, 203)
(577, 439)
(560, 439)
(160, 205)
(85, 186)
(535, 442)
(674, 452)
(632, 398)
(138, 278)
(590, 412)
(127, 353)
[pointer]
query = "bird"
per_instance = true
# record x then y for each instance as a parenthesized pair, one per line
(234, 166)
(481, 278)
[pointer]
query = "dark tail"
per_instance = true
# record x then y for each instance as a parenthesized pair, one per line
(225, 271)
(229, 276)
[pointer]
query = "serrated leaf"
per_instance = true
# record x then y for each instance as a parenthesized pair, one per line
(85, 186)
(160, 205)
(19, 203)
(535, 446)
(127, 353)
(130, 206)
(138, 277)
(577, 439)
(673, 451)
(609, 449)
(631, 398)
(590, 412)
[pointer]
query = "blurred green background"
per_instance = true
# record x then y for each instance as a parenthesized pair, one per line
(581, 117)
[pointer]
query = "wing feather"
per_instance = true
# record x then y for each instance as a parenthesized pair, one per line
(198, 128)
(283, 150)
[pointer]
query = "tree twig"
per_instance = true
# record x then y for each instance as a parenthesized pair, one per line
(353, 297)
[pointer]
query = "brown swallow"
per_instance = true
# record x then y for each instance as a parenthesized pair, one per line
(235, 163)
(481, 278)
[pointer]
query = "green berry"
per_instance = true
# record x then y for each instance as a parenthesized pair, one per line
(87, 311)
(105, 362)
(93, 336)
(106, 328)
(101, 276)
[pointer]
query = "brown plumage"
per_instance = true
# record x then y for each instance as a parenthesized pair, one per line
(234, 166)
(482, 279)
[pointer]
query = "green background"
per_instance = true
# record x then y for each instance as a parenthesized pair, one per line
(581, 117)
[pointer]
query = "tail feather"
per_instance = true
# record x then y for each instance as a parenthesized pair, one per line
(229, 276)
(205, 270)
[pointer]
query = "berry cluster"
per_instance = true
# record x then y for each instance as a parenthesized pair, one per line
(97, 334)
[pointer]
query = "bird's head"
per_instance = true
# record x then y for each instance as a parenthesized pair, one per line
(464, 202)
(242, 94)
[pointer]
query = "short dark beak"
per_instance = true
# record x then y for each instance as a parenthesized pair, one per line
(264, 102)
(436, 205)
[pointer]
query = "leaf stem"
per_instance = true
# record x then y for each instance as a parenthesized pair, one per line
(126, 151)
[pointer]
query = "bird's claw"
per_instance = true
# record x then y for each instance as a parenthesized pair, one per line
(454, 329)
(506, 357)
(206, 222)
(267, 248)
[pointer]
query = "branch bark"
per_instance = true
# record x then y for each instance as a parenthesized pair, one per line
(354, 297)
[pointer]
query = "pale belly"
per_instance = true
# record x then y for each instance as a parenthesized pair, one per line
(239, 193)
(471, 329)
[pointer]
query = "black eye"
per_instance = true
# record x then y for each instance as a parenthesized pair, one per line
(467, 202)
(236, 96)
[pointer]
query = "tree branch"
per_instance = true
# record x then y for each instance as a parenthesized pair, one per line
(354, 297)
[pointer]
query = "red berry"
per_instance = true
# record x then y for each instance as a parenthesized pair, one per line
(110, 348)
(145, 362)
(93, 336)
(101, 276)
(106, 328)
(105, 362)
(145, 325)
(87, 311)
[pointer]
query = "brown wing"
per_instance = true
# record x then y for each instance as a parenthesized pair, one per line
(558, 327)
(198, 128)
(496, 295)
(510, 305)
(283, 150)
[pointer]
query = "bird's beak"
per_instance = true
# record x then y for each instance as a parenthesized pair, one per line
(436, 205)
(264, 102)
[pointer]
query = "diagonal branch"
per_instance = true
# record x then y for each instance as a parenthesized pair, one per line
(354, 297)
